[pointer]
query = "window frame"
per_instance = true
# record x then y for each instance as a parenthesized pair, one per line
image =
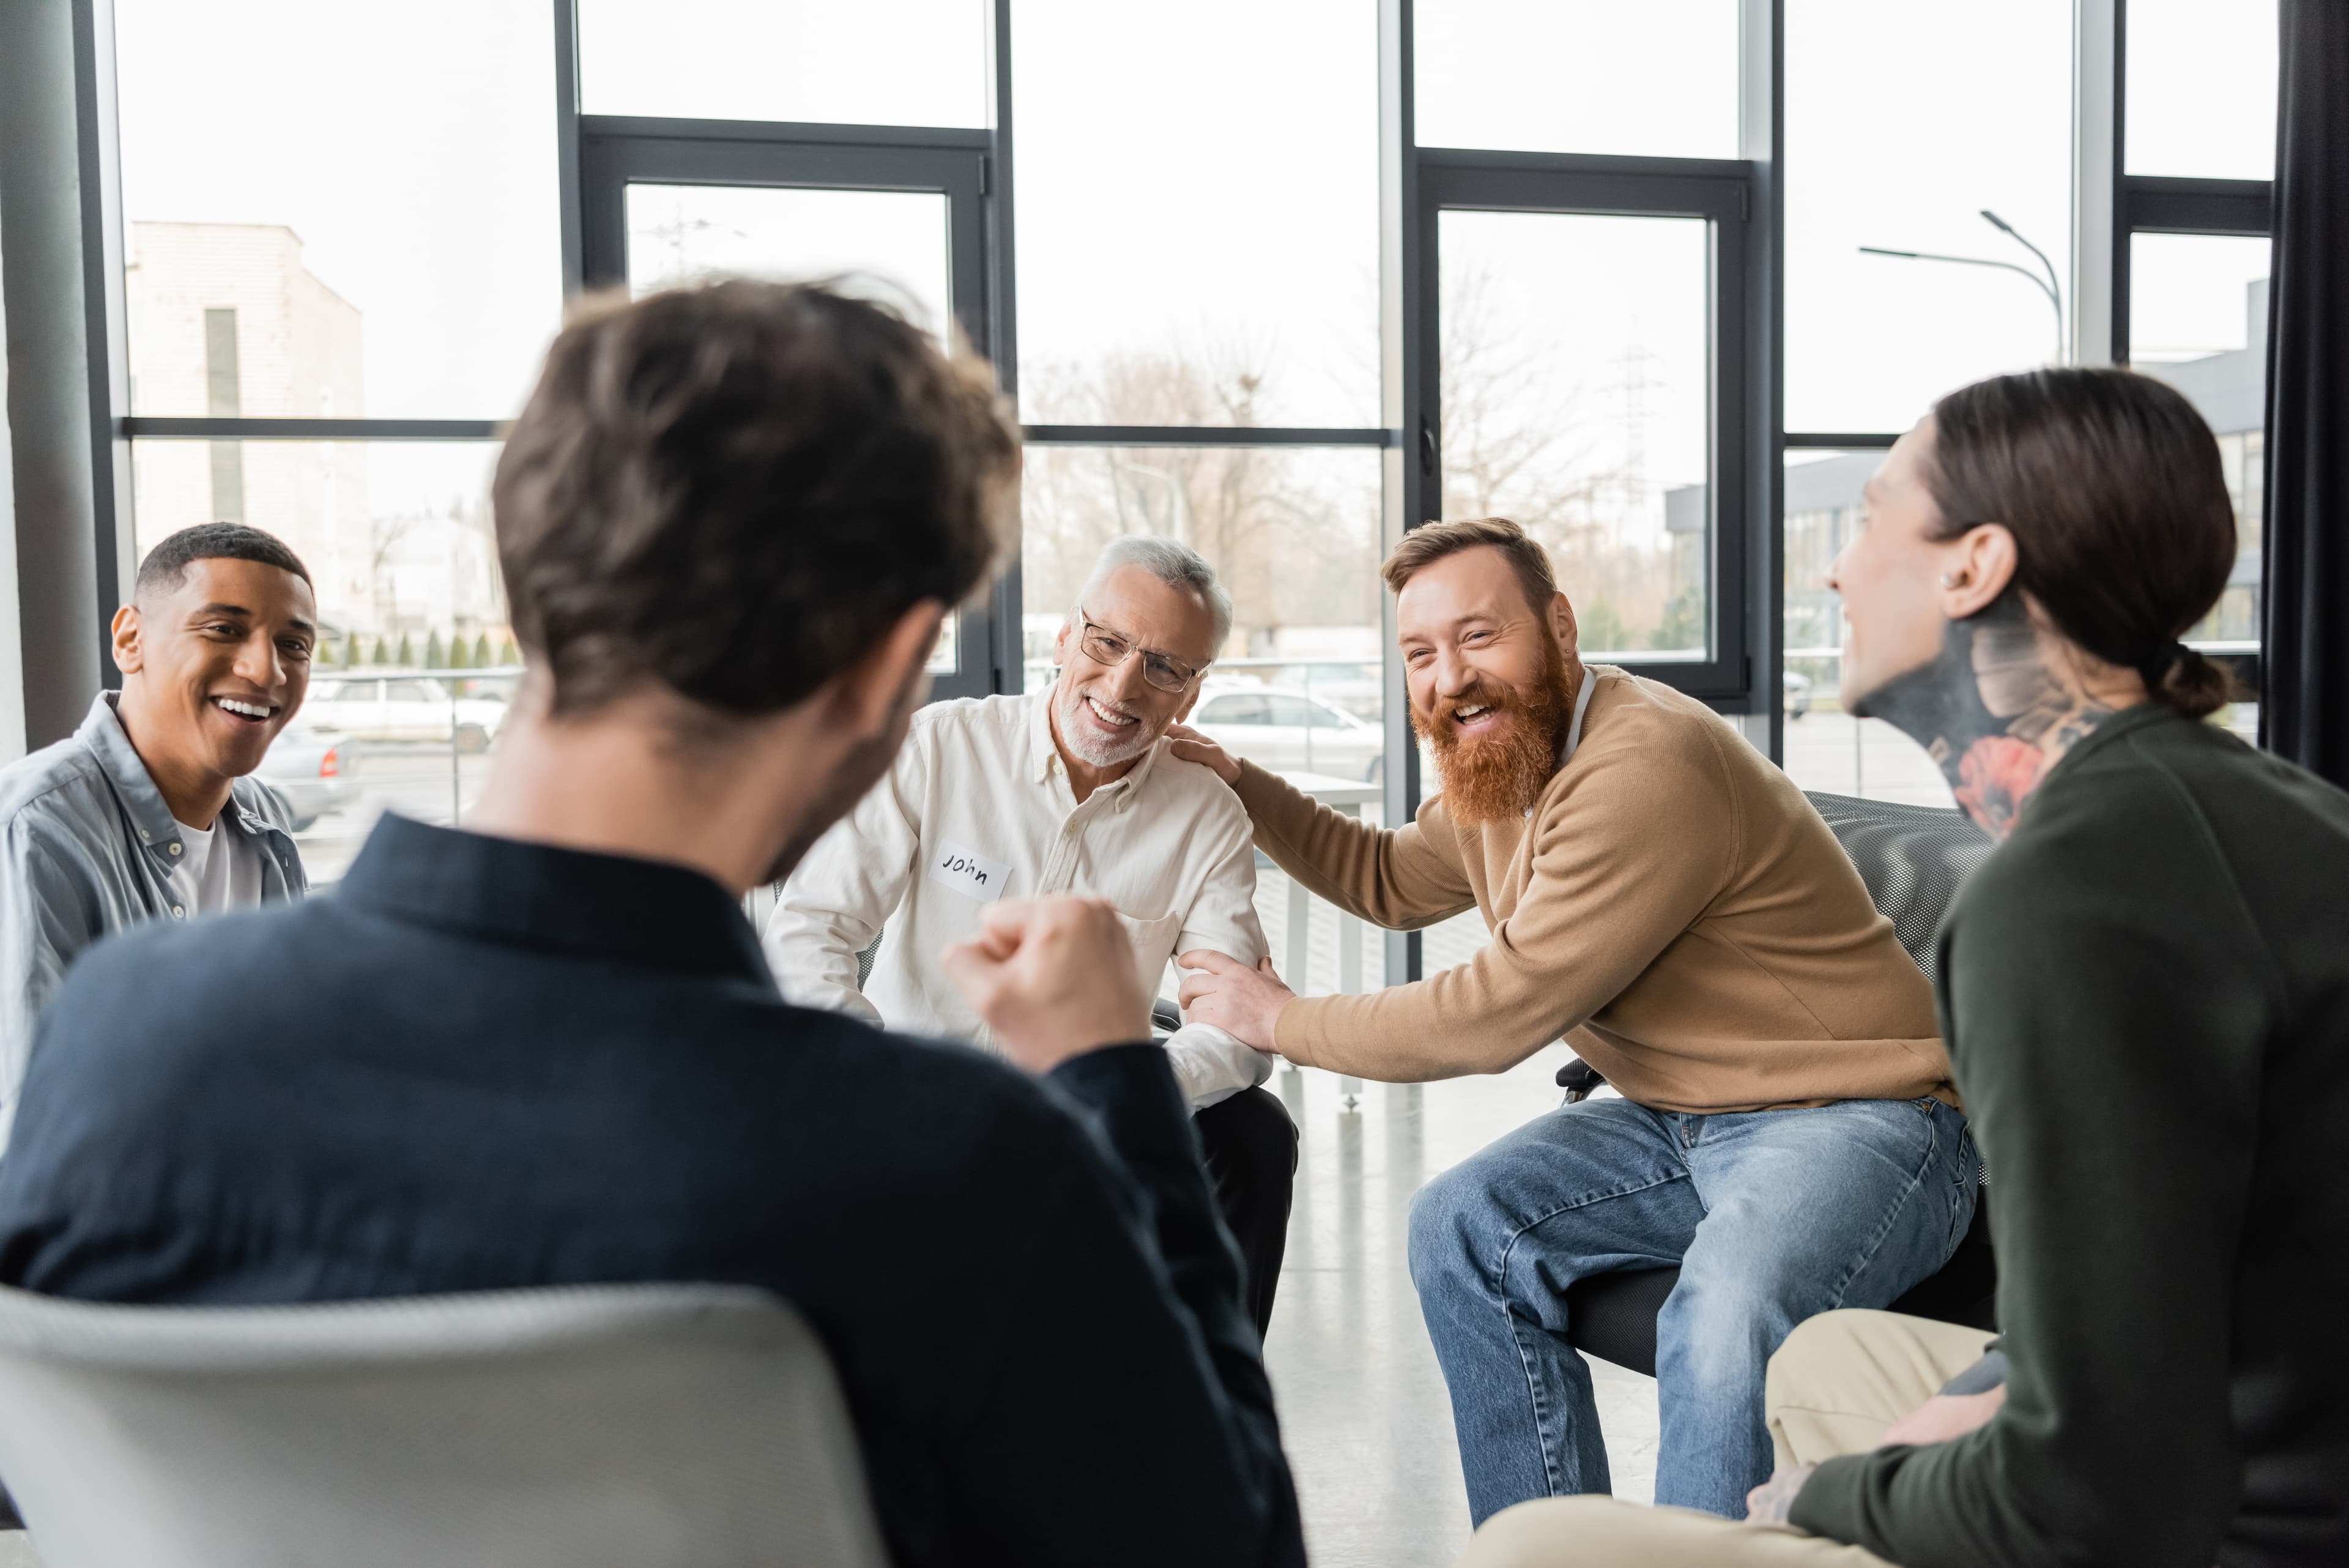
(616, 151)
(1749, 438)
(1718, 191)
(2176, 204)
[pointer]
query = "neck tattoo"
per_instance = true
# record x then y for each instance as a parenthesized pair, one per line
(1992, 711)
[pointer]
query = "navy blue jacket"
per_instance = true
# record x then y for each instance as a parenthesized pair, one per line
(490, 1064)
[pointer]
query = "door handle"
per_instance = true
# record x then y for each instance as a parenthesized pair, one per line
(1427, 449)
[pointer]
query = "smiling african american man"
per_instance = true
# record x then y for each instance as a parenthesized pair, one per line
(146, 812)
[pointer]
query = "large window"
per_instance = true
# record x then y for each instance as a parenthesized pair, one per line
(1912, 133)
(2190, 256)
(1576, 356)
(2202, 89)
(1197, 217)
(1658, 79)
(333, 221)
(1873, 337)
(333, 211)
(2198, 319)
(876, 62)
(1253, 276)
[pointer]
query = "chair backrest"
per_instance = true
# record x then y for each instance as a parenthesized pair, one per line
(635, 1425)
(1912, 858)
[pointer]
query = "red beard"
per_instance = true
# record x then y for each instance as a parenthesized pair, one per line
(1498, 775)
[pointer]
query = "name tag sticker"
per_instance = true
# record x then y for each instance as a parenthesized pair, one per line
(968, 872)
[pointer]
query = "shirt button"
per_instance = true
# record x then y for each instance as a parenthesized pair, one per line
(144, 836)
(175, 849)
(177, 913)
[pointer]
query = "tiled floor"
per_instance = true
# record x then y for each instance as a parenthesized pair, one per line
(1364, 1414)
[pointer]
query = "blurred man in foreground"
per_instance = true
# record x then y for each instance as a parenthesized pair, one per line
(1066, 790)
(148, 812)
(730, 520)
(1663, 896)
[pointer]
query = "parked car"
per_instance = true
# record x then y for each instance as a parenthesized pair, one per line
(311, 771)
(396, 707)
(1799, 692)
(1283, 729)
(1357, 688)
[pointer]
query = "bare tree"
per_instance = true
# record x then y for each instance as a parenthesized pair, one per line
(1523, 441)
(1268, 528)
(1294, 539)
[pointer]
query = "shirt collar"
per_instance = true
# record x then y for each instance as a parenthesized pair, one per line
(1581, 706)
(1044, 757)
(644, 913)
(134, 787)
(1573, 741)
(126, 771)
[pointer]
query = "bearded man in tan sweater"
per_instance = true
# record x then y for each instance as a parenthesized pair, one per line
(1665, 899)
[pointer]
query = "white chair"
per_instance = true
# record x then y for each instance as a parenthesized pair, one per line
(632, 1426)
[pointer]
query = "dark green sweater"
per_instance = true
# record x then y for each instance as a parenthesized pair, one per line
(2146, 997)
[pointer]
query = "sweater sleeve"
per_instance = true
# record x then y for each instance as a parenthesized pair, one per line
(2105, 998)
(1626, 854)
(1402, 880)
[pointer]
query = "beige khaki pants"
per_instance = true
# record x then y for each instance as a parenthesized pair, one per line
(1837, 1381)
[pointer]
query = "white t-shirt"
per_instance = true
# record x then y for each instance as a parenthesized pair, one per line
(217, 871)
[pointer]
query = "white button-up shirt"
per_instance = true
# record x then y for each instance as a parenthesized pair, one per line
(978, 807)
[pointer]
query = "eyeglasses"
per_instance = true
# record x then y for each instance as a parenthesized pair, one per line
(1106, 648)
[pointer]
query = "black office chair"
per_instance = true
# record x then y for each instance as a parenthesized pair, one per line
(1913, 859)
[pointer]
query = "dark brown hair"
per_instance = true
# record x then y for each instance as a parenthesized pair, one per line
(733, 490)
(2124, 531)
(1431, 542)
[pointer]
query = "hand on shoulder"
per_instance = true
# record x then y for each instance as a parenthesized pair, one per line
(1193, 747)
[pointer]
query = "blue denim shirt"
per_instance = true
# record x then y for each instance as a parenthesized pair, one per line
(87, 848)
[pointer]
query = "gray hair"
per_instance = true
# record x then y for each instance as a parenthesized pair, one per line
(1172, 562)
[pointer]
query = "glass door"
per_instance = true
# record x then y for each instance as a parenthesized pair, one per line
(1587, 360)
(672, 203)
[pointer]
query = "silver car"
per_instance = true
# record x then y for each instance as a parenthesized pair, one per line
(312, 772)
(399, 706)
(1287, 730)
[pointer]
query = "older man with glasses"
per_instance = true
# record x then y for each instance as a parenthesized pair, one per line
(1071, 789)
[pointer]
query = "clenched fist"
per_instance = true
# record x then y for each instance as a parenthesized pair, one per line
(1054, 978)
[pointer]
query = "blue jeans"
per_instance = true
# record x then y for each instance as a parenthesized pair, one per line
(1773, 1217)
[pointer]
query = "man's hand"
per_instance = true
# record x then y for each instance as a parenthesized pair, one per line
(1193, 747)
(1242, 1003)
(1054, 978)
(1946, 1415)
(1770, 1502)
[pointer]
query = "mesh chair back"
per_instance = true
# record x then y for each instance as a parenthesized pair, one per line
(1912, 858)
(634, 1425)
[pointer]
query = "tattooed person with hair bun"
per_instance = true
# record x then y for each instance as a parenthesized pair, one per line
(2145, 995)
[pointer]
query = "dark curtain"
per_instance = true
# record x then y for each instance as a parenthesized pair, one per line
(2304, 710)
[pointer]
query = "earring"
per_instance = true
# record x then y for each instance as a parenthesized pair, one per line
(1947, 581)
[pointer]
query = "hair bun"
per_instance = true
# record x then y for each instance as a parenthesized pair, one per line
(2194, 685)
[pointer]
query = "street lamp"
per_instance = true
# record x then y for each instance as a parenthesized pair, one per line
(2048, 285)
